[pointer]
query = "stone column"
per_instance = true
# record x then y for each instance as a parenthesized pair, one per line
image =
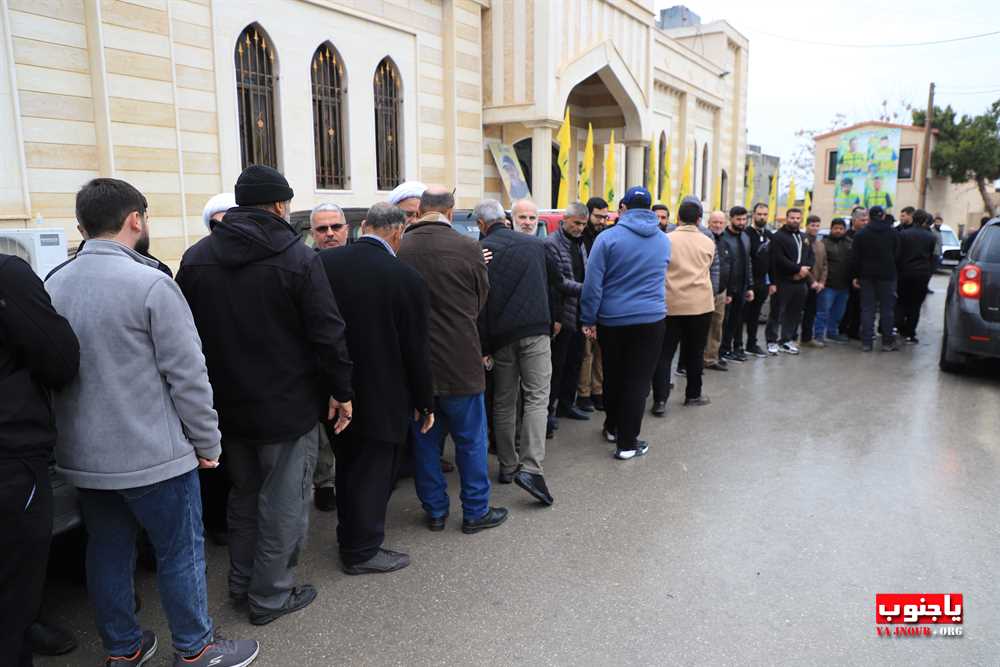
(541, 162)
(635, 159)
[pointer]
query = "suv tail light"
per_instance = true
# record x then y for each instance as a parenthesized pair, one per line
(970, 282)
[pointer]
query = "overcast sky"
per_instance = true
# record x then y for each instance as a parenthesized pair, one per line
(794, 85)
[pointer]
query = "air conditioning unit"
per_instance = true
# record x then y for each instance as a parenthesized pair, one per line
(43, 249)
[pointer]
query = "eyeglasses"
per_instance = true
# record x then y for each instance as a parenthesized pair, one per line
(325, 229)
(600, 218)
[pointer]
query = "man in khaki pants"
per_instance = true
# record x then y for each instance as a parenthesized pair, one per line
(717, 225)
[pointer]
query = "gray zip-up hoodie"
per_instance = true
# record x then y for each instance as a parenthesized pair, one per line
(141, 406)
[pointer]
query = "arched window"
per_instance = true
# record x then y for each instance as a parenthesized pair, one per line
(723, 186)
(256, 74)
(704, 173)
(659, 176)
(388, 125)
(329, 89)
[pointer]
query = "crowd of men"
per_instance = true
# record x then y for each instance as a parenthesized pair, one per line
(210, 404)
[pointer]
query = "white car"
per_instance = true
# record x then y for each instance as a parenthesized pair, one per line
(951, 249)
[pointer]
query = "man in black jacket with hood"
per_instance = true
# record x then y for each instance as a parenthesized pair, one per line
(38, 353)
(875, 252)
(760, 242)
(274, 345)
(791, 259)
(915, 264)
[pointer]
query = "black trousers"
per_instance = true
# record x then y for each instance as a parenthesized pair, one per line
(25, 534)
(629, 354)
(567, 357)
(912, 291)
(808, 316)
(366, 471)
(751, 314)
(215, 485)
(850, 325)
(732, 325)
(690, 332)
(786, 311)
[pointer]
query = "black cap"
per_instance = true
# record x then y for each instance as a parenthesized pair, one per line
(876, 213)
(261, 185)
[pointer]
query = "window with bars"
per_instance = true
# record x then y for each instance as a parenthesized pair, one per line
(388, 124)
(256, 73)
(329, 91)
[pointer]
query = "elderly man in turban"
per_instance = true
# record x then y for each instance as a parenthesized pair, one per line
(407, 197)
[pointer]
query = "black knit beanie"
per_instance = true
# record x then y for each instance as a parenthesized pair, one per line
(261, 185)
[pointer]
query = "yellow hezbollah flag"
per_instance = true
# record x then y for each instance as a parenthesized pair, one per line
(717, 194)
(563, 137)
(790, 202)
(748, 198)
(651, 171)
(772, 200)
(610, 172)
(586, 174)
(807, 206)
(686, 186)
(665, 191)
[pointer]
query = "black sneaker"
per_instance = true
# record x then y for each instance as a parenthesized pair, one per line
(300, 598)
(140, 657)
(383, 561)
(625, 454)
(755, 351)
(584, 403)
(659, 408)
(598, 402)
(681, 371)
(696, 402)
(739, 356)
(222, 653)
(912, 340)
(494, 517)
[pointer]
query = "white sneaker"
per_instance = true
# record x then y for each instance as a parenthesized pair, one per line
(789, 348)
(625, 454)
(772, 349)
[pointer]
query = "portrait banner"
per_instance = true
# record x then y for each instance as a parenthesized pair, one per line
(867, 169)
(510, 171)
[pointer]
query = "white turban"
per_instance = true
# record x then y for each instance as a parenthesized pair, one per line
(220, 202)
(407, 190)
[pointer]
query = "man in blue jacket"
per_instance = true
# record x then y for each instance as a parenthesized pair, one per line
(624, 306)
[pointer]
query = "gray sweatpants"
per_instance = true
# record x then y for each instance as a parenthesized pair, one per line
(323, 475)
(268, 516)
(526, 366)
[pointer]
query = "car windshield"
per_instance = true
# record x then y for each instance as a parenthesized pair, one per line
(948, 237)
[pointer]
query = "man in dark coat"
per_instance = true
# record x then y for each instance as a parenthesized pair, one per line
(874, 256)
(915, 265)
(569, 254)
(38, 353)
(760, 242)
(791, 260)
(515, 330)
(384, 304)
(277, 359)
(739, 289)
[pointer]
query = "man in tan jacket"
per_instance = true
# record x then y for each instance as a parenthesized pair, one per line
(817, 282)
(690, 302)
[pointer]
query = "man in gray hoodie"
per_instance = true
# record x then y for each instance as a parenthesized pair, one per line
(134, 426)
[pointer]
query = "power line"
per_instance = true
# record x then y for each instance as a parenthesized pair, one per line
(879, 46)
(970, 92)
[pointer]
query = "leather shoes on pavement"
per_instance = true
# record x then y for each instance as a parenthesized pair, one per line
(659, 408)
(505, 477)
(383, 561)
(300, 598)
(701, 400)
(494, 517)
(436, 523)
(48, 639)
(534, 484)
(573, 412)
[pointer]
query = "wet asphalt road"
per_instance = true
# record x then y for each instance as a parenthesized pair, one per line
(757, 531)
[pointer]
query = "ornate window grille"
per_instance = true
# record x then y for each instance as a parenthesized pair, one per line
(329, 91)
(388, 125)
(256, 73)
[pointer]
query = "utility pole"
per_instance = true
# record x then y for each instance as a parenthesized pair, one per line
(926, 152)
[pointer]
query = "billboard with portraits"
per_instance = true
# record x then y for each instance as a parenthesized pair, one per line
(867, 169)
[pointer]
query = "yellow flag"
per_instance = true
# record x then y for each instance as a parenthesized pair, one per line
(587, 173)
(610, 172)
(772, 200)
(790, 202)
(717, 194)
(651, 171)
(563, 137)
(807, 206)
(748, 197)
(686, 187)
(666, 192)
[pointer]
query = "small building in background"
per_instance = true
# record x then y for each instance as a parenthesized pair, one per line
(677, 16)
(764, 167)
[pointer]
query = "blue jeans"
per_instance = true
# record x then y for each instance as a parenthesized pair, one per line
(464, 417)
(831, 304)
(170, 512)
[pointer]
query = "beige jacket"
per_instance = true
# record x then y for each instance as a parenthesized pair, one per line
(689, 283)
(819, 272)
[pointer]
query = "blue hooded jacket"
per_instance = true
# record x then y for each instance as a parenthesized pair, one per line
(626, 273)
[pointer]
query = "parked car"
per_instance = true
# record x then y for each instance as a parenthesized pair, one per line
(951, 248)
(972, 308)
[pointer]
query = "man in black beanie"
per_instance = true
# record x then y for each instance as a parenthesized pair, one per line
(277, 358)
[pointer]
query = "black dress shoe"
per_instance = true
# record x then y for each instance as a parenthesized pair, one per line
(717, 366)
(325, 499)
(48, 639)
(534, 484)
(382, 562)
(584, 403)
(436, 523)
(701, 400)
(300, 598)
(573, 412)
(598, 402)
(506, 477)
(659, 408)
(494, 517)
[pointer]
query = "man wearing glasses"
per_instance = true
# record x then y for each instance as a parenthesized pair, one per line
(328, 226)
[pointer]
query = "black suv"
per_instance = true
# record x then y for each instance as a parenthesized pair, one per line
(972, 310)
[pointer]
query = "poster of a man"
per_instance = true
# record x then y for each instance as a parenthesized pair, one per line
(510, 171)
(846, 198)
(867, 169)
